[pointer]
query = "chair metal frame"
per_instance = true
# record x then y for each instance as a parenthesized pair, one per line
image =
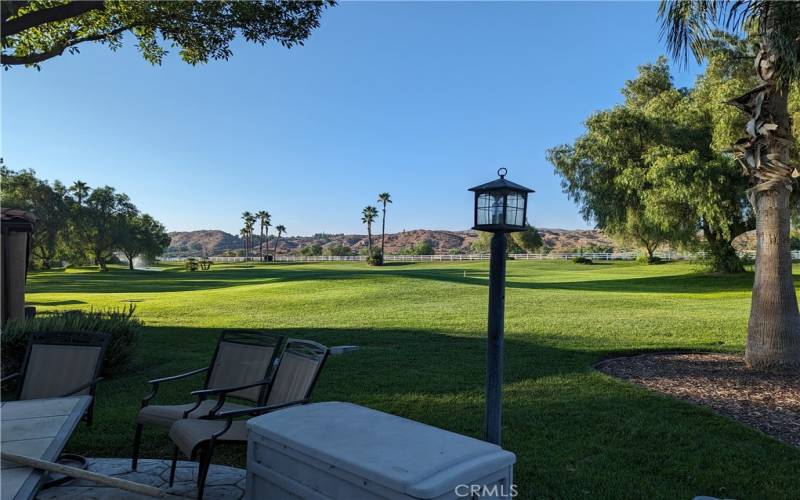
(226, 336)
(67, 338)
(205, 450)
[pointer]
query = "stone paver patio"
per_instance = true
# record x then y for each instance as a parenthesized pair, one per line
(222, 483)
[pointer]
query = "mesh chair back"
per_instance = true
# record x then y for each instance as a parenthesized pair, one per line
(298, 370)
(58, 363)
(243, 357)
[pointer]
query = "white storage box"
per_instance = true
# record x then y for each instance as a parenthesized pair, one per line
(348, 452)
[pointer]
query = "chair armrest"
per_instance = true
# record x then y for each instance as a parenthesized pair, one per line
(260, 410)
(225, 390)
(221, 394)
(9, 377)
(155, 383)
(84, 387)
(177, 377)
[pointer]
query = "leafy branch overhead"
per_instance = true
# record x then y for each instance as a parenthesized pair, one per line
(35, 31)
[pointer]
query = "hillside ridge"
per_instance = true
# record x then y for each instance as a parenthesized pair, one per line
(213, 242)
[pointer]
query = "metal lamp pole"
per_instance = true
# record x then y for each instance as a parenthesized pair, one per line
(494, 347)
(500, 208)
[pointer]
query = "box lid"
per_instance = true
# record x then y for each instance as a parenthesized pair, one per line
(400, 454)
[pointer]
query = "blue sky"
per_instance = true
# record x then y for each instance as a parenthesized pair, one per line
(423, 100)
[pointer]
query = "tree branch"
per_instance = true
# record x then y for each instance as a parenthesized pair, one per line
(39, 17)
(57, 50)
(11, 7)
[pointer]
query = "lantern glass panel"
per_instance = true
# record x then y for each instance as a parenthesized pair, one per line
(490, 209)
(515, 211)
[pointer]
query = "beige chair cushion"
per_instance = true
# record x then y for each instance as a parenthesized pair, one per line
(188, 433)
(167, 415)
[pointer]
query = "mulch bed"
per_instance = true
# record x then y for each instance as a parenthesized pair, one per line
(769, 402)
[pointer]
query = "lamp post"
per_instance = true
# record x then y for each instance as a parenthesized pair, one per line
(500, 208)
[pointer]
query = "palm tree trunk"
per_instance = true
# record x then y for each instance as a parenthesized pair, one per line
(773, 333)
(277, 239)
(261, 242)
(383, 229)
(773, 336)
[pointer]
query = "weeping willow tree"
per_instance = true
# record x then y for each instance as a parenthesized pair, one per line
(766, 154)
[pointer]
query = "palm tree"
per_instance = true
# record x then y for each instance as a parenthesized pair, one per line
(264, 218)
(383, 198)
(368, 216)
(80, 190)
(246, 217)
(250, 223)
(773, 336)
(281, 229)
(243, 236)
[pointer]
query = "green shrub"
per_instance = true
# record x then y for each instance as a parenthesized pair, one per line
(376, 259)
(311, 250)
(419, 248)
(644, 259)
(582, 260)
(119, 323)
(336, 250)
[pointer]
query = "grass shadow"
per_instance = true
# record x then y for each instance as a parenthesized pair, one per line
(174, 280)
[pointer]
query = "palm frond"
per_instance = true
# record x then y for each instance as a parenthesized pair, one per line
(688, 25)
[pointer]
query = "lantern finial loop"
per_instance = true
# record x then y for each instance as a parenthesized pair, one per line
(502, 171)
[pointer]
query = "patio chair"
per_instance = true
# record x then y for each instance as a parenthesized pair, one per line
(297, 373)
(242, 360)
(61, 364)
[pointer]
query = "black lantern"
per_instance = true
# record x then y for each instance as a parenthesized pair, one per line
(500, 205)
(500, 208)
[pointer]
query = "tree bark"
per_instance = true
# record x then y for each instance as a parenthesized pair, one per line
(43, 16)
(773, 337)
(101, 261)
(724, 258)
(130, 258)
(261, 242)
(383, 230)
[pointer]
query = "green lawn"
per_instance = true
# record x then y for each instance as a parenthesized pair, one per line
(421, 327)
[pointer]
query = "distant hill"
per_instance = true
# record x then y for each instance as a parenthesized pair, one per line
(204, 242)
(216, 242)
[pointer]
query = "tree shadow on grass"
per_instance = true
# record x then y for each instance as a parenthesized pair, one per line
(123, 281)
(55, 303)
(684, 283)
(561, 418)
(391, 364)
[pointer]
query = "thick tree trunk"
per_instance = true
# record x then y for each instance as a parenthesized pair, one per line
(773, 340)
(724, 258)
(773, 337)
(101, 261)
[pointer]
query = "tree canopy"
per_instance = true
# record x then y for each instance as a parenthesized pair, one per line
(82, 225)
(35, 31)
(657, 168)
